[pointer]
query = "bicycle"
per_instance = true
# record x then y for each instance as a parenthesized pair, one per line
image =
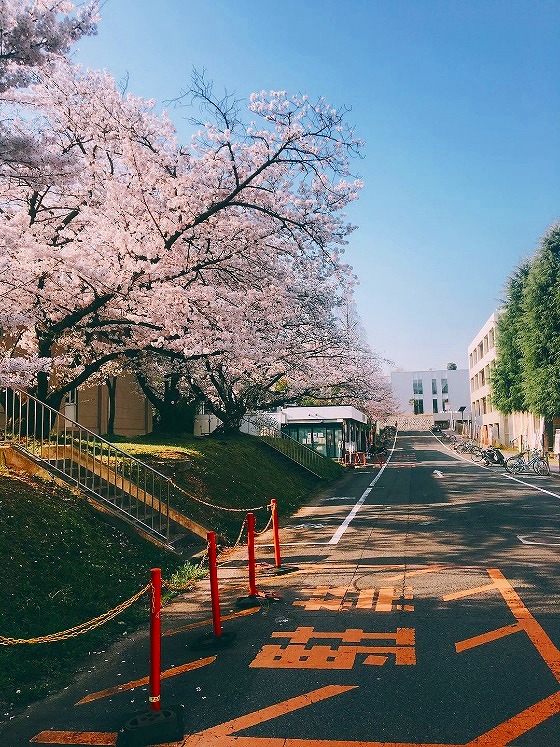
(488, 456)
(466, 446)
(536, 462)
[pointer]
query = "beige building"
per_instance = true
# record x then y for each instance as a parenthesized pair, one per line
(488, 424)
(519, 430)
(89, 406)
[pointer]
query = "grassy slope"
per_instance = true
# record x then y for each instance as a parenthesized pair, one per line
(67, 563)
(237, 471)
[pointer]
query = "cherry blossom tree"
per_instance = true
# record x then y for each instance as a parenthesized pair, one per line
(295, 346)
(120, 255)
(34, 35)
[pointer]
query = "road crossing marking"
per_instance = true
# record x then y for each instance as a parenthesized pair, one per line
(357, 642)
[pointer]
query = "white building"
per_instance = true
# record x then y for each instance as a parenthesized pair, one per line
(443, 394)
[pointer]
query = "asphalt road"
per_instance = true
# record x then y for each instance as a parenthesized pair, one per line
(422, 609)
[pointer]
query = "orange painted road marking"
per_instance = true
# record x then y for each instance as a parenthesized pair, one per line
(365, 599)
(523, 722)
(332, 598)
(403, 636)
(297, 656)
(222, 735)
(469, 592)
(319, 599)
(274, 711)
(202, 623)
(76, 737)
(419, 572)
(494, 635)
(390, 594)
(525, 621)
(539, 639)
(144, 681)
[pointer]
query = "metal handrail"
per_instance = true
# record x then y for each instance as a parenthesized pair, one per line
(310, 456)
(132, 487)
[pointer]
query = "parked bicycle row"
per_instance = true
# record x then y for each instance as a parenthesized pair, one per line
(530, 460)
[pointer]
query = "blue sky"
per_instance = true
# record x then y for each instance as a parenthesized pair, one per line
(458, 103)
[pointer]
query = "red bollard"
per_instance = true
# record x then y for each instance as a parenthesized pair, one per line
(277, 556)
(253, 591)
(155, 641)
(216, 617)
(254, 594)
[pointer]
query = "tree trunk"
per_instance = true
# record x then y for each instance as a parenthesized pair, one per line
(111, 383)
(175, 413)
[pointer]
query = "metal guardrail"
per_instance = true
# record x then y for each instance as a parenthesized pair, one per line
(83, 458)
(307, 458)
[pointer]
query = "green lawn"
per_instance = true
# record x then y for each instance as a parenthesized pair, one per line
(233, 472)
(66, 563)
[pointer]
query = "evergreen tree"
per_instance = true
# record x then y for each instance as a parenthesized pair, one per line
(507, 376)
(540, 333)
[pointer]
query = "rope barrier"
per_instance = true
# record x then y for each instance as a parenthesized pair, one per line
(212, 505)
(80, 629)
(269, 522)
(111, 614)
(225, 554)
(174, 587)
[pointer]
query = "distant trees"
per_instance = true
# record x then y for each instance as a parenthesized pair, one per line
(451, 366)
(527, 371)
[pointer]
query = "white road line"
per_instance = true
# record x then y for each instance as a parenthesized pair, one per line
(335, 539)
(530, 485)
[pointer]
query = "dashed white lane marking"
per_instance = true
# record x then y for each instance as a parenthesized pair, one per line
(335, 539)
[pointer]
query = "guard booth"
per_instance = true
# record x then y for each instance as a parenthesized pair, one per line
(333, 431)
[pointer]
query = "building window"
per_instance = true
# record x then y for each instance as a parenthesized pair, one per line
(491, 338)
(434, 386)
(417, 387)
(444, 387)
(482, 378)
(434, 405)
(418, 406)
